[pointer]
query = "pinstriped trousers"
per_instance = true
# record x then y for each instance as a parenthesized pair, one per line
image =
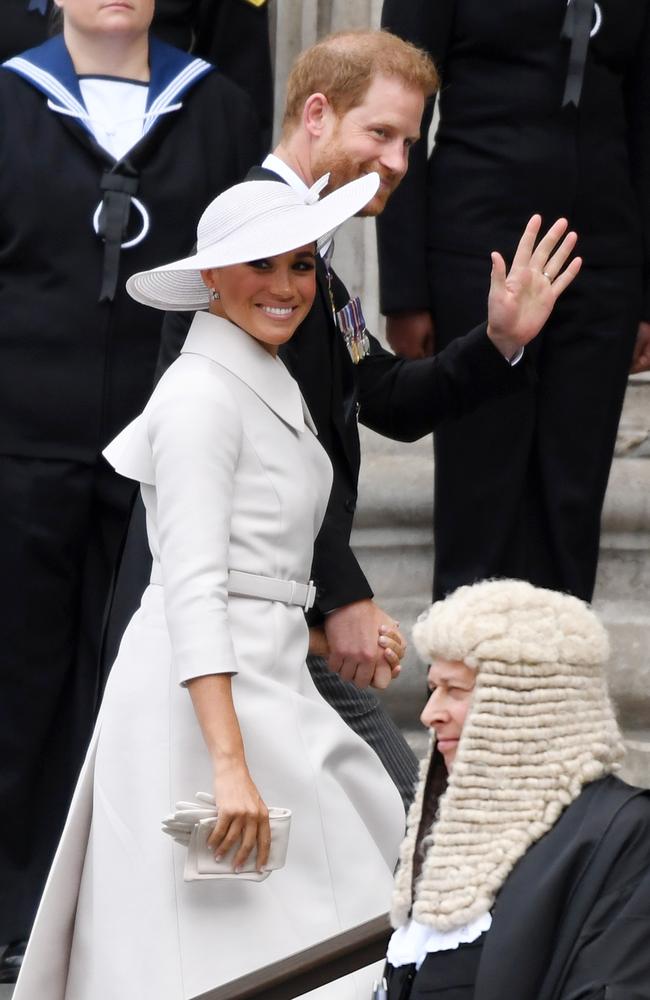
(366, 716)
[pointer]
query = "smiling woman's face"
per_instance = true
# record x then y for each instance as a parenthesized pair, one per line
(267, 298)
(451, 684)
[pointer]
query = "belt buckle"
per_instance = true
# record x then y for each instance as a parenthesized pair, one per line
(310, 596)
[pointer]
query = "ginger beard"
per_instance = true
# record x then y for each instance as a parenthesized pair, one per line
(344, 167)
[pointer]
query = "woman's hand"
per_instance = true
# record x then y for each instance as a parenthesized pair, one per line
(393, 645)
(522, 299)
(242, 816)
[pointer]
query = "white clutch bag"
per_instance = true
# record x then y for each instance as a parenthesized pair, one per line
(191, 825)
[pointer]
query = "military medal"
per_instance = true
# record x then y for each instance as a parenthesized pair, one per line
(352, 325)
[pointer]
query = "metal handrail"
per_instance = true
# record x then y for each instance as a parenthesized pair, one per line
(312, 967)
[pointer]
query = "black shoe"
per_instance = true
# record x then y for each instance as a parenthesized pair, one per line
(11, 961)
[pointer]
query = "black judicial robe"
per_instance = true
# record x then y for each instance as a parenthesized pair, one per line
(572, 921)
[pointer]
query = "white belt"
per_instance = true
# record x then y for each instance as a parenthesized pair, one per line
(267, 588)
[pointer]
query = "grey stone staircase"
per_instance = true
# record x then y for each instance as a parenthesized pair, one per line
(393, 541)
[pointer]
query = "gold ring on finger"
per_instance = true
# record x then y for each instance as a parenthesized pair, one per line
(548, 277)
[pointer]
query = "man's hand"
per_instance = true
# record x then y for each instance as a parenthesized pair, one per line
(318, 645)
(641, 356)
(390, 643)
(356, 651)
(411, 334)
(522, 299)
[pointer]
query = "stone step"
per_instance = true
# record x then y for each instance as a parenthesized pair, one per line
(634, 428)
(393, 541)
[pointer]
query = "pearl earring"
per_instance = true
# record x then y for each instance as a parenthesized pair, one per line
(214, 294)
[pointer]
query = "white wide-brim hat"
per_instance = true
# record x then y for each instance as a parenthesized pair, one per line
(247, 222)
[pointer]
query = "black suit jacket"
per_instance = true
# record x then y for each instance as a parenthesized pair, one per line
(232, 34)
(22, 28)
(507, 147)
(403, 400)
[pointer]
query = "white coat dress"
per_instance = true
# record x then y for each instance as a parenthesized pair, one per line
(233, 477)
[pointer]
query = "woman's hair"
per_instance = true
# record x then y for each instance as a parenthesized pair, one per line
(540, 726)
(342, 67)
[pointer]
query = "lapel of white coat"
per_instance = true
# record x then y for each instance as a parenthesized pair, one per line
(225, 344)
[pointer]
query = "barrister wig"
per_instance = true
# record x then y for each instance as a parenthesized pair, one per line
(539, 727)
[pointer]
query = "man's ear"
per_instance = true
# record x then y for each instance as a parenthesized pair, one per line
(315, 114)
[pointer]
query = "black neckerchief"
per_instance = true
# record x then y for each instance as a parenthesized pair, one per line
(577, 27)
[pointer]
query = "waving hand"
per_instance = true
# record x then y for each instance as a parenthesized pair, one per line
(522, 299)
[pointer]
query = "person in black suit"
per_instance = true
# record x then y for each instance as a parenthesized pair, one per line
(547, 112)
(347, 114)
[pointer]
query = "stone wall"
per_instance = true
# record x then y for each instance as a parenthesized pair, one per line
(393, 535)
(393, 540)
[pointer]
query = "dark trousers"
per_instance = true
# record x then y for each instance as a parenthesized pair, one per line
(61, 523)
(520, 483)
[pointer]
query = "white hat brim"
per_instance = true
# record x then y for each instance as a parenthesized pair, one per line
(178, 286)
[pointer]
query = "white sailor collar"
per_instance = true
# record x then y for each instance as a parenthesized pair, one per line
(48, 67)
(226, 344)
